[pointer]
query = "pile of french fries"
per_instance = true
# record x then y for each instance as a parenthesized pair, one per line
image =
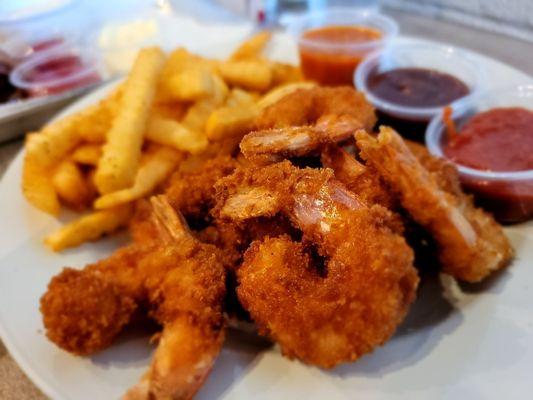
(169, 109)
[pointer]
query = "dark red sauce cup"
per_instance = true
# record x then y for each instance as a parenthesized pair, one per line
(508, 195)
(57, 70)
(411, 120)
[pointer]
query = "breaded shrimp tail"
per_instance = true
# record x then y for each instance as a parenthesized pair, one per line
(471, 244)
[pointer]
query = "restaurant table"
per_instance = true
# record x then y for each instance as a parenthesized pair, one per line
(15, 385)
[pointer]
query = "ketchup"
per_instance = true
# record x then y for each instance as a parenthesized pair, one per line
(498, 140)
(326, 56)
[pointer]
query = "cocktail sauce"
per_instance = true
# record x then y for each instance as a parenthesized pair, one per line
(498, 140)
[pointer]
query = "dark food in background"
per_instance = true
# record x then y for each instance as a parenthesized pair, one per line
(7, 91)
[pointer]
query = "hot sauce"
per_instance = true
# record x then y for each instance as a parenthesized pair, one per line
(498, 140)
(326, 55)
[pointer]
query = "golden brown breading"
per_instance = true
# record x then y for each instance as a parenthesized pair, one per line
(322, 314)
(471, 243)
(192, 192)
(362, 180)
(84, 311)
(306, 106)
(180, 280)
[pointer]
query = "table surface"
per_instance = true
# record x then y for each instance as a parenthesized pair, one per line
(15, 385)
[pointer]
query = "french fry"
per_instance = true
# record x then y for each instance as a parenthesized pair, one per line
(89, 227)
(252, 47)
(190, 85)
(71, 186)
(38, 187)
(92, 128)
(281, 91)
(249, 74)
(155, 168)
(87, 154)
(239, 97)
(120, 159)
(174, 134)
(230, 122)
(43, 151)
(285, 73)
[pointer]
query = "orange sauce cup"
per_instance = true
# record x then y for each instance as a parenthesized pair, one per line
(332, 43)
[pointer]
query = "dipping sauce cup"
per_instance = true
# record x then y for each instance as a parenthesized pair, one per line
(57, 70)
(420, 78)
(508, 194)
(332, 43)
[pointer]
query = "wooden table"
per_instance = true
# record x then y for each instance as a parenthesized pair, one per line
(14, 385)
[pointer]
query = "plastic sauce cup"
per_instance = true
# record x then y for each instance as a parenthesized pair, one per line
(508, 195)
(332, 60)
(57, 70)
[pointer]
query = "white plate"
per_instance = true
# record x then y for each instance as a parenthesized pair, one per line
(474, 342)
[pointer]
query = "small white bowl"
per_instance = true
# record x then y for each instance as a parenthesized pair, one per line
(442, 58)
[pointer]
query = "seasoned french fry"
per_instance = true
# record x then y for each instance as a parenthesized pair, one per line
(239, 97)
(71, 186)
(252, 47)
(285, 73)
(38, 187)
(230, 122)
(175, 134)
(281, 91)
(43, 151)
(89, 227)
(253, 74)
(220, 90)
(87, 154)
(154, 169)
(190, 85)
(92, 128)
(120, 159)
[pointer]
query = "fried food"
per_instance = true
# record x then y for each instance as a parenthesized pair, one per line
(321, 313)
(275, 144)
(471, 244)
(89, 227)
(71, 186)
(360, 179)
(247, 74)
(305, 106)
(234, 121)
(154, 170)
(119, 162)
(253, 47)
(181, 281)
(88, 154)
(193, 192)
(190, 85)
(168, 132)
(276, 94)
(305, 120)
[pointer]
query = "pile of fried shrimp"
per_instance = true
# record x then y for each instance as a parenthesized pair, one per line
(307, 224)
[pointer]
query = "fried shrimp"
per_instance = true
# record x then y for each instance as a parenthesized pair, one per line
(178, 278)
(192, 192)
(342, 290)
(303, 121)
(361, 179)
(305, 106)
(471, 244)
